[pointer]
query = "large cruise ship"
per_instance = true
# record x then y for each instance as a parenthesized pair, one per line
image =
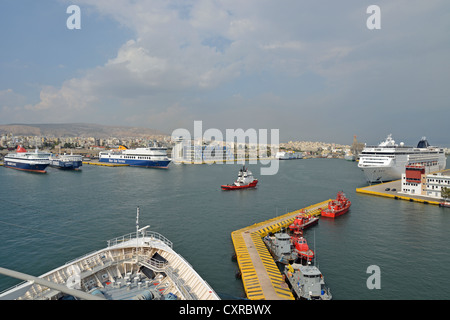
(151, 157)
(387, 161)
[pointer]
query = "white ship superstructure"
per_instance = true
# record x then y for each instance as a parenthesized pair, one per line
(27, 161)
(387, 161)
(288, 155)
(151, 157)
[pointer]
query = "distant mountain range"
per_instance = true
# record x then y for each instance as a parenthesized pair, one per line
(76, 130)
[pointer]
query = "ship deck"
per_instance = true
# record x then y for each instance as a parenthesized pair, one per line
(260, 275)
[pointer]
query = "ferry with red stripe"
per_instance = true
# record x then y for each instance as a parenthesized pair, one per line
(27, 161)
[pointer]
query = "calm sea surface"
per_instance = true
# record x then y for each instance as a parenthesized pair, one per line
(49, 219)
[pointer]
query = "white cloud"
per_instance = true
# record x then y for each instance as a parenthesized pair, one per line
(188, 56)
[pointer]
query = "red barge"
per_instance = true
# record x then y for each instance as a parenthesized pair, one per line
(337, 207)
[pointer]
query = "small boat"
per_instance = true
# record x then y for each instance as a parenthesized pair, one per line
(307, 282)
(303, 221)
(280, 246)
(337, 207)
(444, 204)
(245, 180)
(66, 161)
(27, 161)
(302, 249)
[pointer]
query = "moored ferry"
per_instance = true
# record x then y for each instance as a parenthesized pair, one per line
(27, 161)
(387, 161)
(150, 157)
(337, 207)
(67, 161)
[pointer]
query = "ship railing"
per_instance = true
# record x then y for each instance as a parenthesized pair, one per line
(147, 234)
(163, 266)
(154, 264)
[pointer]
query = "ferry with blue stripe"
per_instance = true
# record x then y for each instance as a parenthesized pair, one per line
(150, 157)
(67, 161)
(27, 161)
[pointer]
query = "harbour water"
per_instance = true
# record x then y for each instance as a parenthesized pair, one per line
(49, 219)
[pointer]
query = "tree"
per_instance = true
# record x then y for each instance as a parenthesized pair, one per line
(445, 193)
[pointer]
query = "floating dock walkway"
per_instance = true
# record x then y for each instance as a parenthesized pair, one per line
(260, 275)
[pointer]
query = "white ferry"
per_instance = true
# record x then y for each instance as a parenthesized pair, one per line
(66, 161)
(151, 157)
(137, 266)
(27, 161)
(387, 161)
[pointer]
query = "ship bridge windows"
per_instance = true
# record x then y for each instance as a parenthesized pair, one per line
(312, 275)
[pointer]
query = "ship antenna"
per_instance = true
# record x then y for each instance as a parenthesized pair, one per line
(137, 230)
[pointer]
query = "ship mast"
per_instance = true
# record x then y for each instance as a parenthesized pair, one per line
(139, 230)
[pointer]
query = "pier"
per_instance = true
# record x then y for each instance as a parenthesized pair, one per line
(260, 275)
(105, 164)
(380, 190)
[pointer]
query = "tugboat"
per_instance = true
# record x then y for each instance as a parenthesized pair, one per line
(245, 180)
(337, 207)
(285, 248)
(280, 246)
(307, 282)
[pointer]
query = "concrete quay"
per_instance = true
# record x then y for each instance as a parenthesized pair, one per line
(104, 164)
(380, 190)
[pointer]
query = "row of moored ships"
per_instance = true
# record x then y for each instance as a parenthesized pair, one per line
(38, 161)
(387, 161)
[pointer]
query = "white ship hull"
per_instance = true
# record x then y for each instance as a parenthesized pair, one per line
(387, 161)
(120, 272)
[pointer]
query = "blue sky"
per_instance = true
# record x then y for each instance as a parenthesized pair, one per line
(311, 69)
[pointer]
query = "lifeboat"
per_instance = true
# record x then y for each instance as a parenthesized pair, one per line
(337, 207)
(302, 248)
